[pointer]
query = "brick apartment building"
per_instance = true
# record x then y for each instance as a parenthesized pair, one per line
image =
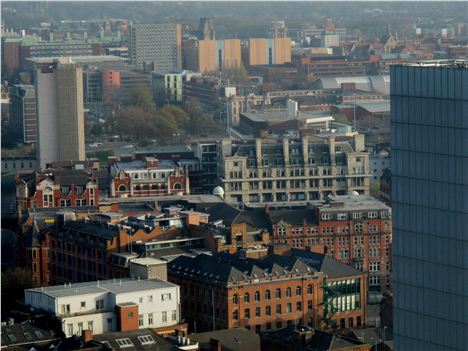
(147, 177)
(224, 291)
(56, 188)
(353, 229)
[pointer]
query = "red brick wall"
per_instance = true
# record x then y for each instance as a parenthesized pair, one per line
(127, 317)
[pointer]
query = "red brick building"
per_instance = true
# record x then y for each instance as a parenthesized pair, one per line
(56, 188)
(147, 177)
(224, 291)
(353, 229)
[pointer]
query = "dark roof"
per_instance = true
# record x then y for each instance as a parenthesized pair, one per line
(226, 268)
(224, 212)
(315, 340)
(323, 263)
(25, 334)
(157, 341)
(94, 229)
(293, 216)
(236, 339)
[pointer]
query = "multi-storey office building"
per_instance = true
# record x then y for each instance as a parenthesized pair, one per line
(353, 229)
(429, 119)
(293, 170)
(110, 305)
(155, 47)
(168, 86)
(212, 55)
(23, 113)
(276, 51)
(59, 106)
(224, 291)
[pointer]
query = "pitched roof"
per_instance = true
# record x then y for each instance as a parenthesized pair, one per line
(236, 339)
(323, 263)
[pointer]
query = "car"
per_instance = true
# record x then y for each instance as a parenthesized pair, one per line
(93, 145)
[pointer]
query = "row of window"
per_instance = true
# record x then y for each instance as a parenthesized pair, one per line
(278, 294)
(268, 311)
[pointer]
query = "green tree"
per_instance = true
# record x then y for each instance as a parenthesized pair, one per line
(181, 117)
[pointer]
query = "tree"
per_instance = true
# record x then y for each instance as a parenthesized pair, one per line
(181, 117)
(14, 282)
(235, 74)
(139, 96)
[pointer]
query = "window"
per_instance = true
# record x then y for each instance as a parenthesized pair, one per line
(372, 215)
(140, 320)
(247, 313)
(235, 315)
(100, 304)
(326, 216)
(146, 339)
(257, 311)
(374, 266)
(279, 325)
(288, 292)
(150, 318)
(268, 310)
(150, 298)
(246, 297)
(124, 343)
(174, 315)
(298, 291)
(309, 289)
(374, 280)
(288, 308)
(278, 308)
(257, 296)
(83, 303)
(309, 305)
(267, 295)
(90, 325)
(140, 300)
(235, 299)
(278, 293)
(80, 328)
(166, 297)
(130, 315)
(109, 324)
(299, 306)
(70, 329)
(356, 215)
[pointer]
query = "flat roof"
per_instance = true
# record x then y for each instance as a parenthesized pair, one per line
(355, 203)
(147, 261)
(77, 59)
(115, 286)
(375, 106)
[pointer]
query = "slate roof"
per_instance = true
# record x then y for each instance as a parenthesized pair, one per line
(136, 337)
(323, 263)
(93, 229)
(25, 334)
(236, 339)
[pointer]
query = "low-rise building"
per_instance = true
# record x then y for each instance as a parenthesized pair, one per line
(109, 305)
(56, 188)
(353, 229)
(147, 177)
(224, 291)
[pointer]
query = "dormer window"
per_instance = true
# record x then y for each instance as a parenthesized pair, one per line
(79, 189)
(65, 189)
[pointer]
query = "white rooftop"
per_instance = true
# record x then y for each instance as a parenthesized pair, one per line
(115, 286)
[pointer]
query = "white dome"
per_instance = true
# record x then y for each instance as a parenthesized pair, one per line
(219, 191)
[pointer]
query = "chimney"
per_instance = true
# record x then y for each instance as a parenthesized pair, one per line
(215, 345)
(279, 249)
(87, 335)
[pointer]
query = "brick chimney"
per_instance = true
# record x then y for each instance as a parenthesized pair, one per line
(279, 249)
(87, 335)
(215, 345)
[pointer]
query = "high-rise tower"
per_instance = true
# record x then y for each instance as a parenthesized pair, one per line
(59, 106)
(429, 112)
(206, 29)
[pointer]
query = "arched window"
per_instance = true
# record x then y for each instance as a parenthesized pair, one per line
(298, 291)
(235, 299)
(278, 293)
(246, 297)
(235, 315)
(288, 292)
(257, 296)
(267, 295)
(309, 289)
(122, 188)
(177, 186)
